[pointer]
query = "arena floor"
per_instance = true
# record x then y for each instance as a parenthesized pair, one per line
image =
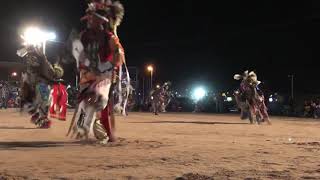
(169, 146)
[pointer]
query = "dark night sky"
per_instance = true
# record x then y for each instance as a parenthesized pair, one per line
(196, 41)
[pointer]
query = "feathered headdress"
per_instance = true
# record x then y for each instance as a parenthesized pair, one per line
(96, 8)
(243, 76)
(115, 12)
(250, 77)
(111, 12)
(253, 79)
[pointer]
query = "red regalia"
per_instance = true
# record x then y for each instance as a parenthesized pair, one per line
(58, 106)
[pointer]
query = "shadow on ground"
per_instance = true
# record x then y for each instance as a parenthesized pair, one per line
(16, 127)
(187, 122)
(15, 145)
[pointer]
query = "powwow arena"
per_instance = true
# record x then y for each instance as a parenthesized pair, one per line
(100, 139)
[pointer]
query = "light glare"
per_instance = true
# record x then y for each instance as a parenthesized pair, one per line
(150, 68)
(270, 100)
(34, 36)
(14, 74)
(199, 93)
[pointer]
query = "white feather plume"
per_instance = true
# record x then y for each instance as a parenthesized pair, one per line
(237, 77)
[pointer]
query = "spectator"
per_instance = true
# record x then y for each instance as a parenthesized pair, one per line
(4, 95)
(17, 101)
(219, 103)
(307, 109)
(313, 107)
(316, 113)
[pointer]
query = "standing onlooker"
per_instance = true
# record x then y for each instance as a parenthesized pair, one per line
(307, 109)
(316, 113)
(4, 95)
(219, 103)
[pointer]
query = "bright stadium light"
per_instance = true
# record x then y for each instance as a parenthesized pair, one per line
(271, 99)
(35, 36)
(32, 36)
(229, 99)
(198, 93)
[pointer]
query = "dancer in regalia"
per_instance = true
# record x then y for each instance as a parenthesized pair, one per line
(99, 56)
(35, 83)
(250, 98)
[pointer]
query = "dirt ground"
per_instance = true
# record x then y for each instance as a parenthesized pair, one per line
(169, 146)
